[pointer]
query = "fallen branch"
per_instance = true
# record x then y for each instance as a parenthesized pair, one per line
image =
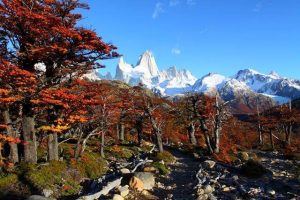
(104, 191)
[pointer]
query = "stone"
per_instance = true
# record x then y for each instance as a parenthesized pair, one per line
(197, 156)
(160, 185)
(208, 189)
(212, 197)
(124, 191)
(209, 164)
(200, 191)
(203, 197)
(47, 192)
(125, 171)
(244, 156)
(147, 178)
(235, 178)
(117, 197)
(38, 197)
(226, 189)
(150, 169)
(271, 192)
(136, 183)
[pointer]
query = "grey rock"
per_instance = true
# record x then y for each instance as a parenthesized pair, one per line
(117, 197)
(125, 171)
(38, 197)
(124, 191)
(208, 189)
(47, 192)
(147, 178)
(209, 164)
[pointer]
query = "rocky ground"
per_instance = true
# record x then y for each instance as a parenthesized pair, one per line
(256, 175)
(276, 181)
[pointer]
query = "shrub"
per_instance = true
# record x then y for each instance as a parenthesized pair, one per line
(166, 156)
(6, 180)
(161, 168)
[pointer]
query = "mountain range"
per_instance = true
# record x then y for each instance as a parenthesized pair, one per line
(245, 89)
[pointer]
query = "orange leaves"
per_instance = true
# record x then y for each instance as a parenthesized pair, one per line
(5, 138)
(54, 128)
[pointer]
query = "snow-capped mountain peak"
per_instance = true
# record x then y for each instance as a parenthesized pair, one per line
(147, 64)
(247, 85)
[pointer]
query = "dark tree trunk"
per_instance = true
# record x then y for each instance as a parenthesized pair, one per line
(13, 154)
(206, 136)
(261, 137)
(53, 147)
(191, 132)
(78, 146)
(271, 139)
(288, 134)
(30, 153)
(139, 129)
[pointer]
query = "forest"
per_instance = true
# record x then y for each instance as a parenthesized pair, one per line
(58, 129)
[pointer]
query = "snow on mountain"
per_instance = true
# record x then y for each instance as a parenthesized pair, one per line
(146, 72)
(246, 85)
(209, 83)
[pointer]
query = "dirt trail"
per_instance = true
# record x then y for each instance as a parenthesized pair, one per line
(179, 184)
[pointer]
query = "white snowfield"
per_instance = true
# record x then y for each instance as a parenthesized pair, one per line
(173, 82)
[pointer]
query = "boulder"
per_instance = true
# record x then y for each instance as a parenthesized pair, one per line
(47, 192)
(124, 191)
(147, 178)
(209, 164)
(125, 171)
(136, 183)
(117, 197)
(244, 156)
(150, 169)
(38, 197)
(208, 189)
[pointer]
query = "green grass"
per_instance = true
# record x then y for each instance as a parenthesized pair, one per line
(161, 168)
(165, 156)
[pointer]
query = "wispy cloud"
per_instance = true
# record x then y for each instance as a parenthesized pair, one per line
(259, 6)
(176, 51)
(173, 3)
(191, 2)
(159, 9)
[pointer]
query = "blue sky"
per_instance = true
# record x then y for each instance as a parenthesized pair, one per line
(202, 36)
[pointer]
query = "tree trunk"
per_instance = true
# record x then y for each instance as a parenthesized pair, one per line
(122, 131)
(102, 144)
(159, 141)
(13, 154)
(288, 134)
(206, 136)
(118, 132)
(191, 132)
(53, 147)
(30, 146)
(78, 146)
(261, 137)
(271, 140)
(139, 129)
(1, 157)
(217, 140)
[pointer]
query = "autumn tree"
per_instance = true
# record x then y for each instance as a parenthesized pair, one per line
(155, 109)
(209, 114)
(46, 32)
(15, 86)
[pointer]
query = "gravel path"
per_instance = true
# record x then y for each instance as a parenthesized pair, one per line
(180, 183)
